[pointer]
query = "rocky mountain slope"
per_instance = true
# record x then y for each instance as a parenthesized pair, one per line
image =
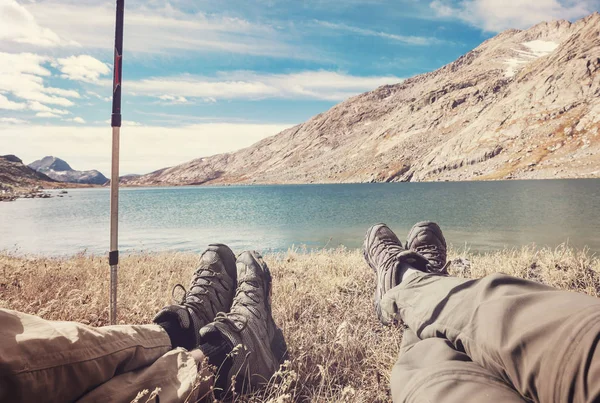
(14, 173)
(524, 104)
(59, 170)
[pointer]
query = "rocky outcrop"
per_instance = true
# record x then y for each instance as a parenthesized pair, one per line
(13, 173)
(524, 104)
(59, 170)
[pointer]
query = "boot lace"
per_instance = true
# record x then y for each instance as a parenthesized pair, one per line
(433, 255)
(204, 288)
(244, 301)
(393, 249)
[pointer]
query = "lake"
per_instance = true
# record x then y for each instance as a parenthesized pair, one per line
(483, 216)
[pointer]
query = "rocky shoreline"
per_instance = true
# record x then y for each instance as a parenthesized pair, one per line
(8, 194)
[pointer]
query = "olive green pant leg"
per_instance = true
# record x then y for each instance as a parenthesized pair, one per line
(431, 370)
(542, 341)
(42, 360)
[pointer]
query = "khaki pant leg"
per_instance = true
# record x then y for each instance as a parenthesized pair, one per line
(431, 370)
(541, 340)
(175, 373)
(43, 360)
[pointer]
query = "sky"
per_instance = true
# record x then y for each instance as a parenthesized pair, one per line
(202, 77)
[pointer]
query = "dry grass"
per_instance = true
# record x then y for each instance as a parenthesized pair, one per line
(322, 300)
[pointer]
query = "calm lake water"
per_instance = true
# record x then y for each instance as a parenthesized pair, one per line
(483, 215)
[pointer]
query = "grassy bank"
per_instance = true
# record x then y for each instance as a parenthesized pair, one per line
(322, 300)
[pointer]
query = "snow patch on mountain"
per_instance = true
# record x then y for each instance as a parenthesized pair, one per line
(536, 49)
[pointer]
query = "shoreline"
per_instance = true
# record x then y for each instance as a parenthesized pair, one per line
(244, 184)
(10, 193)
(459, 250)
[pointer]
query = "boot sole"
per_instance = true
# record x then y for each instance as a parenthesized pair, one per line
(278, 345)
(368, 239)
(430, 225)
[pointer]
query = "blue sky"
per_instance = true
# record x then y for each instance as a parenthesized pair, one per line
(202, 77)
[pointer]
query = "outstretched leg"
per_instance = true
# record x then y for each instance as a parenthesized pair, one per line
(62, 361)
(540, 340)
(431, 370)
(65, 361)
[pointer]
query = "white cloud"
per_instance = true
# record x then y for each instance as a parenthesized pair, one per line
(38, 107)
(498, 15)
(7, 104)
(143, 148)
(163, 29)
(324, 85)
(63, 92)
(171, 99)
(19, 26)
(46, 115)
(130, 123)
(76, 120)
(409, 40)
(22, 75)
(125, 123)
(82, 68)
(23, 63)
(96, 95)
(12, 121)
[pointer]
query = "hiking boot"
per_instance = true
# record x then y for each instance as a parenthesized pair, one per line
(426, 238)
(258, 344)
(211, 291)
(384, 253)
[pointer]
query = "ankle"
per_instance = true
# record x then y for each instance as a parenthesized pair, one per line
(406, 270)
(179, 336)
(217, 348)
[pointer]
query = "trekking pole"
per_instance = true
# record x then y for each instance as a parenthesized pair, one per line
(113, 256)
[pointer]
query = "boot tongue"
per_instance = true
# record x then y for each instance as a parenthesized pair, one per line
(405, 260)
(414, 259)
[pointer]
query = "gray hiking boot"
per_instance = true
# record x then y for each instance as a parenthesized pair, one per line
(258, 344)
(211, 291)
(384, 253)
(426, 238)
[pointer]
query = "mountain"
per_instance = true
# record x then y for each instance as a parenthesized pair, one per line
(59, 170)
(14, 173)
(524, 104)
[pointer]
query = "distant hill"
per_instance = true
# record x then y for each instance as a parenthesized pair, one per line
(14, 173)
(61, 171)
(524, 104)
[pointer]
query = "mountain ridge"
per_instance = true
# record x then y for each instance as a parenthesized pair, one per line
(61, 171)
(523, 104)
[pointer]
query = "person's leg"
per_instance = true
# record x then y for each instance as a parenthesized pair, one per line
(538, 339)
(431, 370)
(64, 360)
(541, 340)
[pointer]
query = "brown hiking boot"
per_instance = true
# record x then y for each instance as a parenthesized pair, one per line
(258, 344)
(384, 253)
(211, 291)
(426, 238)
